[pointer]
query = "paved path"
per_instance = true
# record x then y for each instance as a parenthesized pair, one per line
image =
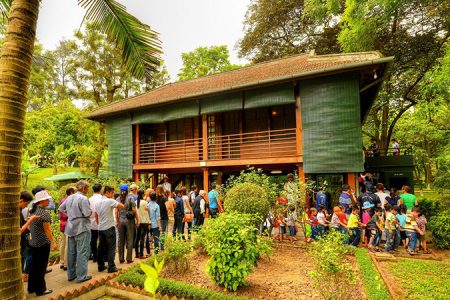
(57, 279)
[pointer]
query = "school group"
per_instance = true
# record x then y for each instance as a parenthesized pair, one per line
(127, 220)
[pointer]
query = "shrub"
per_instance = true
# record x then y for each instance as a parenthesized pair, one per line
(440, 230)
(177, 254)
(234, 246)
(332, 274)
(247, 198)
(430, 208)
(135, 277)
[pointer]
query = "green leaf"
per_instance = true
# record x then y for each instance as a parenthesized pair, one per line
(151, 285)
(149, 271)
(139, 43)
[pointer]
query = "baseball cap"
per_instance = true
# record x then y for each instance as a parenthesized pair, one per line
(124, 187)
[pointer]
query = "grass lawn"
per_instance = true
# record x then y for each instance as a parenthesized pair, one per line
(373, 285)
(38, 177)
(422, 279)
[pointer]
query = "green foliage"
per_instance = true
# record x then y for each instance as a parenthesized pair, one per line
(234, 246)
(332, 275)
(205, 61)
(177, 253)
(431, 279)
(430, 208)
(28, 167)
(54, 225)
(151, 283)
(373, 284)
(440, 229)
(54, 256)
(247, 198)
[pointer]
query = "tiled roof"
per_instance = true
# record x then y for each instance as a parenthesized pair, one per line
(246, 77)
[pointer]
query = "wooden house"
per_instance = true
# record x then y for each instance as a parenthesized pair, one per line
(301, 113)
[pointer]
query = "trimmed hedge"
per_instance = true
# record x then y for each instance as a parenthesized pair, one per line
(171, 288)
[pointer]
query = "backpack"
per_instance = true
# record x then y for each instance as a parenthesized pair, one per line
(130, 214)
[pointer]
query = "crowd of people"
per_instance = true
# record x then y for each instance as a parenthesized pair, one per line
(126, 222)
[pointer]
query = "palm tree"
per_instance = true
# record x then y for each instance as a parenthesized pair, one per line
(141, 50)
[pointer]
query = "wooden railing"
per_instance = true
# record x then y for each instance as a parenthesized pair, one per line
(171, 151)
(261, 144)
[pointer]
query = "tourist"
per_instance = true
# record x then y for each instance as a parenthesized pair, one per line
(401, 218)
(188, 213)
(281, 220)
(381, 194)
(167, 187)
(408, 199)
(155, 220)
(375, 227)
(97, 189)
(422, 223)
(193, 194)
(147, 194)
(412, 230)
(133, 190)
(128, 221)
(164, 216)
(373, 148)
(322, 198)
(104, 217)
(25, 255)
(367, 207)
(41, 242)
(369, 196)
(62, 227)
(215, 205)
(170, 204)
(144, 224)
(396, 147)
(291, 188)
(37, 189)
(313, 222)
(147, 236)
(390, 228)
(290, 221)
(199, 209)
(178, 214)
(346, 199)
(305, 222)
(322, 217)
(78, 231)
(354, 225)
(393, 198)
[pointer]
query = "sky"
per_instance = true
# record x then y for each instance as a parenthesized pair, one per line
(183, 25)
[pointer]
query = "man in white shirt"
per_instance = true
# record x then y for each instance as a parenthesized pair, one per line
(104, 218)
(97, 188)
(166, 184)
(381, 194)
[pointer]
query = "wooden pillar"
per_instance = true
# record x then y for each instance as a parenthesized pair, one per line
(205, 136)
(205, 180)
(301, 174)
(136, 143)
(298, 122)
(352, 181)
(219, 177)
(136, 176)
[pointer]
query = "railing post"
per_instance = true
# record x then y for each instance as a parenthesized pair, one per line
(137, 143)
(205, 136)
(270, 151)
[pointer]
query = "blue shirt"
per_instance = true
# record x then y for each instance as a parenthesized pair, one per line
(154, 213)
(78, 211)
(179, 209)
(321, 199)
(212, 196)
(346, 202)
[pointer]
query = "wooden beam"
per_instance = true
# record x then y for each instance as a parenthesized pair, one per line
(352, 182)
(205, 180)
(301, 174)
(298, 121)
(136, 143)
(205, 136)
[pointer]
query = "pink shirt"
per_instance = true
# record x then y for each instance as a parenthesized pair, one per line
(365, 217)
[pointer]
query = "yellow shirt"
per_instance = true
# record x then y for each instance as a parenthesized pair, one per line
(353, 221)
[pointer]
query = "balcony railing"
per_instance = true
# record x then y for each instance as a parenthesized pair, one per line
(261, 144)
(171, 151)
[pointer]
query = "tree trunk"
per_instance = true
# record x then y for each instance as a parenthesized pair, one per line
(15, 69)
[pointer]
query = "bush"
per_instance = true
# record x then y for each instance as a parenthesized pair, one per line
(135, 277)
(247, 198)
(54, 256)
(440, 229)
(177, 254)
(332, 275)
(234, 246)
(430, 208)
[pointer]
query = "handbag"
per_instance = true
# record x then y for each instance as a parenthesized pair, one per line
(188, 218)
(130, 214)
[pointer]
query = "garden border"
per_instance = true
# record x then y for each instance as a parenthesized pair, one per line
(394, 295)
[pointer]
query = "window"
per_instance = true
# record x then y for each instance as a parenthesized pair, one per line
(180, 129)
(282, 117)
(256, 119)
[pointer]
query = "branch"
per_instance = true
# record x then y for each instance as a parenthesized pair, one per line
(394, 121)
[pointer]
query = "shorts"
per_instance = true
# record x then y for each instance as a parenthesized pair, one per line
(282, 229)
(403, 235)
(373, 233)
(421, 237)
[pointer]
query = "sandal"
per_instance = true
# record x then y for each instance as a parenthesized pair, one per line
(426, 252)
(46, 292)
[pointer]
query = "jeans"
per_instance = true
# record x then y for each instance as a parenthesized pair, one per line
(356, 234)
(164, 225)
(126, 236)
(412, 236)
(107, 247)
(147, 242)
(376, 237)
(155, 232)
(314, 232)
(213, 212)
(392, 241)
(189, 229)
(36, 279)
(94, 243)
(199, 219)
(140, 239)
(78, 256)
(292, 231)
(178, 225)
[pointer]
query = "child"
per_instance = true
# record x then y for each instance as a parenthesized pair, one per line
(375, 227)
(367, 207)
(353, 226)
(411, 230)
(281, 226)
(322, 218)
(290, 221)
(390, 228)
(401, 218)
(313, 222)
(305, 222)
(421, 223)
(343, 219)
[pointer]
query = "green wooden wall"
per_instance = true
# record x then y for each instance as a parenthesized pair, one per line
(119, 136)
(332, 141)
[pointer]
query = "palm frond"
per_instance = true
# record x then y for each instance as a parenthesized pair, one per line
(5, 6)
(139, 43)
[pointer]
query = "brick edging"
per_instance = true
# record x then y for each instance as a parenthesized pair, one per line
(388, 285)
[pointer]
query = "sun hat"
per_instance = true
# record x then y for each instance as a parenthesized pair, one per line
(133, 187)
(124, 187)
(367, 204)
(41, 196)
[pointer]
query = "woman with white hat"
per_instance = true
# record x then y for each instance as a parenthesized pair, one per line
(41, 241)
